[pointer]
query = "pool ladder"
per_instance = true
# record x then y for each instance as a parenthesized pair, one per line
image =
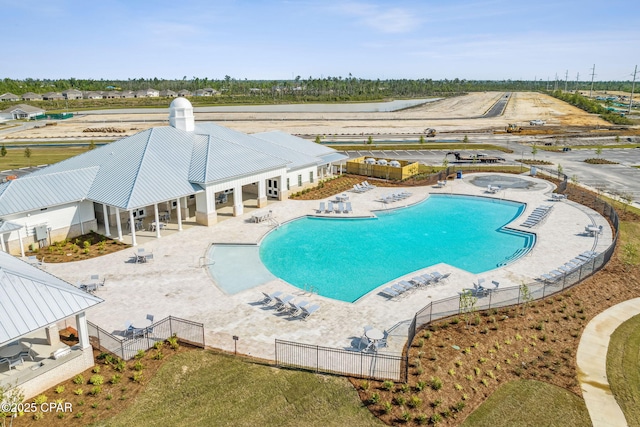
(310, 289)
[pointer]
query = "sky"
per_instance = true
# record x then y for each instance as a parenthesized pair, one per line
(277, 40)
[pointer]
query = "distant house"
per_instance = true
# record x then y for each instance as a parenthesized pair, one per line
(147, 93)
(184, 92)
(127, 94)
(93, 95)
(201, 92)
(168, 93)
(72, 94)
(210, 90)
(21, 111)
(34, 305)
(9, 97)
(113, 94)
(52, 96)
(30, 96)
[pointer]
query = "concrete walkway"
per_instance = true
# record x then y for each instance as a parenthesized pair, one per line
(592, 364)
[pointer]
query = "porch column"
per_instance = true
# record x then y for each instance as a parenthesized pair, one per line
(83, 331)
(179, 213)
(238, 208)
(155, 211)
(132, 225)
(20, 241)
(206, 208)
(119, 224)
(4, 249)
(262, 193)
(105, 212)
(283, 194)
(185, 208)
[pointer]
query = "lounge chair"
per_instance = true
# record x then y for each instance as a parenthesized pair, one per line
(496, 284)
(268, 299)
(479, 283)
(390, 293)
(398, 288)
(358, 189)
(296, 308)
(368, 186)
(27, 352)
(419, 281)
(364, 343)
(338, 207)
(329, 207)
(307, 311)
(132, 331)
(348, 208)
(281, 302)
(407, 285)
(320, 208)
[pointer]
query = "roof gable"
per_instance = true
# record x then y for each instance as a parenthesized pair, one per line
(31, 299)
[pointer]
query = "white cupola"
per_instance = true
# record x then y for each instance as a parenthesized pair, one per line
(181, 115)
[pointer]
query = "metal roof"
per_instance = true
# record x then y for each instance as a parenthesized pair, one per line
(31, 299)
(156, 165)
(7, 227)
(295, 159)
(216, 159)
(35, 192)
(322, 154)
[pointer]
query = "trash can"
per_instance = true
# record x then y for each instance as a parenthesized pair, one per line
(533, 171)
(459, 174)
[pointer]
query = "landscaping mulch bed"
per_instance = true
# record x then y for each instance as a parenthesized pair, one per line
(454, 367)
(122, 381)
(600, 162)
(79, 248)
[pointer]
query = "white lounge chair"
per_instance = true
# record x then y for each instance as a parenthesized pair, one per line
(308, 311)
(320, 208)
(348, 208)
(281, 302)
(269, 298)
(329, 207)
(368, 186)
(338, 207)
(390, 293)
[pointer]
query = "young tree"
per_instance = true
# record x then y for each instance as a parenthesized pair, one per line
(534, 151)
(3, 151)
(92, 145)
(598, 151)
(318, 139)
(525, 297)
(560, 170)
(626, 199)
(27, 152)
(468, 305)
(370, 140)
(421, 139)
(10, 397)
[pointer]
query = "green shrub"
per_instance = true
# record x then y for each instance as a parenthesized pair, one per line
(96, 369)
(78, 379)
(435, 419)
(115, 379)
(96, 380)
(38, 416)
(95, 390)
(387, 385)
(137, 377)
(375, 398)
(420, 385)
(406, 416)
(120, 365)
(137, 366)
(59, 389)
(436, 383)
(158, 345)
(387, 407)
(139, 354)
(414, 402)
(40, 399)
(158, 356)
(78, 392)
(400, 400)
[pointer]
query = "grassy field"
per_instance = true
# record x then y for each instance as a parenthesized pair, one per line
(201, 388)
(41, 155)
(623, 360)
(526, 403)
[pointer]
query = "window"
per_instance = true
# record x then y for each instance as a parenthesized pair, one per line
(299, 180)
(311, 177)
(287, 183)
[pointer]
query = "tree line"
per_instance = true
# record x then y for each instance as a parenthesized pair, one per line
(339, 88)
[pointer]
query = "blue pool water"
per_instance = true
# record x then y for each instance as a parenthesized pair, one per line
(347, 258)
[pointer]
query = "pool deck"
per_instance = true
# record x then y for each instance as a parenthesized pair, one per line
(176, 284)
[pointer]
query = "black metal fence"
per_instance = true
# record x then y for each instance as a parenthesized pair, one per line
(144, 338)
(395, 367)
(341, 362)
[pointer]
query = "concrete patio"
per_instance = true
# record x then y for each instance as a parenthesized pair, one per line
(176, 283)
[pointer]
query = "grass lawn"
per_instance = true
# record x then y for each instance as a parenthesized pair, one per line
(527, 403)
(623, 360)
(202, 388)
(39, 156)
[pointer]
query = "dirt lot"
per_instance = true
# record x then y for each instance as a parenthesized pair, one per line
(447, 115)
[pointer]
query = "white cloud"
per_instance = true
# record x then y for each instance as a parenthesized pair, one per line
(386, 20)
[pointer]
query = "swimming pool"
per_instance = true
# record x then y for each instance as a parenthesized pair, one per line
(346, 258)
